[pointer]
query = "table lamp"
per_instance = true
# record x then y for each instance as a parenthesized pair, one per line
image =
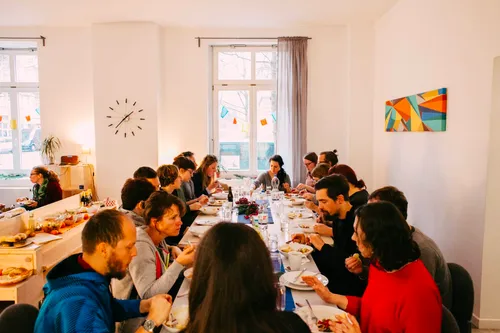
(85, 152)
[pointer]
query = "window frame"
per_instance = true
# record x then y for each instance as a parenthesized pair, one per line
(13, 88)
(253, 86)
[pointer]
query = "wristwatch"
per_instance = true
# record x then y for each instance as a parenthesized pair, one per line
(149, 325)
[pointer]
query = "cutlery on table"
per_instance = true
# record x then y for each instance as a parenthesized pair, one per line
(297, 277)
(313, 316)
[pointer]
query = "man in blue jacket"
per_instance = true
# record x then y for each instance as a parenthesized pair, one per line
(77, 293)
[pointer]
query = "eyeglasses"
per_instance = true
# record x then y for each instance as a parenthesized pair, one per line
(308, 164)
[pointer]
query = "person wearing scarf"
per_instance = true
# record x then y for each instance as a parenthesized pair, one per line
(46, 189)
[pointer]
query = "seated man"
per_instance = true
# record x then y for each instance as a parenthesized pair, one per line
(134, 193)
(77, 295)
(149, 174)
(430, 254)
(333, 197)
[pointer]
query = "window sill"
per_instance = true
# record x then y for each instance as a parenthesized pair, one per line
(19, 182)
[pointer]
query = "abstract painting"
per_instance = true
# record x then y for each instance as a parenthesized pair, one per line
(425, 112)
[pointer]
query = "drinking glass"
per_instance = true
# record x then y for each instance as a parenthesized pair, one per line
(273, 243)
(281, 296)
(227, 211)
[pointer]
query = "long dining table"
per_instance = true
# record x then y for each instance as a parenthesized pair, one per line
(299, 297)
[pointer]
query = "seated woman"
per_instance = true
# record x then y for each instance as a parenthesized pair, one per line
(401, 295)
(170, 182)
(275, 170)
(310, 161)
(46, 189)
(157, 267)
(227, 295)
(186, 168)
(204, 178)
(358, 195)
(320, 171)
(328, 157)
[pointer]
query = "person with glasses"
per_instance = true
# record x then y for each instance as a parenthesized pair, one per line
(186, 168)
(46, 189)
(310, 160)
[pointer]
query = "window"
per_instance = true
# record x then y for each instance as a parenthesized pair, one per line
(20, 140)
(244, 107)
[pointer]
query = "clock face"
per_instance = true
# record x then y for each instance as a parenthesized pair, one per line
(125, 118)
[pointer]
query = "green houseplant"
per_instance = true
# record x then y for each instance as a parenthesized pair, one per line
(50, 146)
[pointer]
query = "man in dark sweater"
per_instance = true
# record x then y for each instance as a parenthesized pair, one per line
(332, 193)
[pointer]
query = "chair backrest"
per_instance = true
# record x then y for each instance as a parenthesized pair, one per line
(19, 318)
(449, 323)
(463, 297)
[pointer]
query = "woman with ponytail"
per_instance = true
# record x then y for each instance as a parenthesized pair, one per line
(358, 195)
(275, 169)
(46, 189)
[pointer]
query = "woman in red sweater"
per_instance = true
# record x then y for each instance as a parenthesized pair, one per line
(46, 189)
(401, 296)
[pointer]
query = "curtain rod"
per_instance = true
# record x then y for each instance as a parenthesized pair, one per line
(200, 38)
(26, 38)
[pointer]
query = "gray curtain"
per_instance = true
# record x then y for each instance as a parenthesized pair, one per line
(291, 133)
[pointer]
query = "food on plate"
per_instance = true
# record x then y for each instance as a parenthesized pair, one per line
(303, 250)
(14, 239)
(288, 248)
(292, 200)
(304, 226)
(300, 215)
(292, 215)
(14, 271)
(324, 325)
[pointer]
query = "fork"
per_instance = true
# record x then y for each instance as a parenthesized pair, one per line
(297, 277)
(313, 316)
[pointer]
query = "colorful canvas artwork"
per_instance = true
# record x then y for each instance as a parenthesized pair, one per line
(425, 112)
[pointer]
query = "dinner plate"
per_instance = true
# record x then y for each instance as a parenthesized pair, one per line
(6, 280)
(7, 245)
(290, 278)
(206, 222)
(217, 203)
(198, 230)
(284, 280)
(322, 312)
(181, 314)
(305, 249)
(296, 201)
(220, 196)
(207, 210)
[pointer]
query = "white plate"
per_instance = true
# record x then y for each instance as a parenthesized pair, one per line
(295, 247)
(321, 311)
(220, 196)
(198, 230)
(188, 274)
(284, 280)
(210, 210)
(307, 227)
(206, 222)
(296, 201)
(217, 203)
(16, 245)
(180, 313)
(290, 278)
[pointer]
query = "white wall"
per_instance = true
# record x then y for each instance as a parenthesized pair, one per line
(490, 283)
(126, 62)
(184, 113)
(423, 45)
(66, 95)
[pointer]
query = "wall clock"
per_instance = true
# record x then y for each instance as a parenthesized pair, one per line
(126, 118)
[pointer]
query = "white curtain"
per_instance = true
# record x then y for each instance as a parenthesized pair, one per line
(292, 105)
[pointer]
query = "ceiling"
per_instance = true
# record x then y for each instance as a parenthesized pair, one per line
(191, 13)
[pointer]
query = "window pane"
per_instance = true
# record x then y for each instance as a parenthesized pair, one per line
(26, 68)
(265, 65)
(266, 106)
(6, 156)
(4, 68)
(234, 129)
(235, 65)
(29, 127)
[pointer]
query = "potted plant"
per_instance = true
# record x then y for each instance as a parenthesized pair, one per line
(50, 146)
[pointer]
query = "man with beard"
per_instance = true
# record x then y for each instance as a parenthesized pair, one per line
(77, 294)
(332, 193)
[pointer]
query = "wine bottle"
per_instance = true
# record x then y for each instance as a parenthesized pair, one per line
(230, 195)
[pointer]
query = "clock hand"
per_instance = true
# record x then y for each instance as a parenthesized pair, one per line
(124, 119)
